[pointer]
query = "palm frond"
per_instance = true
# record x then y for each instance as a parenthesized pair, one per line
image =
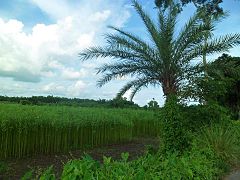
(222, 44)
(102, 52)
(129, 35)
(167, 25)
(217, 45)
(135, 85)
(148, 22)
(147, 53)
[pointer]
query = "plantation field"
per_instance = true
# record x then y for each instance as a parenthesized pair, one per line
(29, 130)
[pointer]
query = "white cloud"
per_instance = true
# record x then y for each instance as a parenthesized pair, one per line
(76, 89)
(100, 16)
(51, 50)
(70, 74)
(53, 88)
(55, 8)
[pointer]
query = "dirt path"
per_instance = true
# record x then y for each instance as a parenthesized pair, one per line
(235, 175)
(18, 167)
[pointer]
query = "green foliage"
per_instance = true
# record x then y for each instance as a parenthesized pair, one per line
(198, 116)
(25, 102)
(53, 100)
(28, 130)
(212, 6)
(80, 169)
(221, 84)
(48, 174)
(224, 140)
(226, 69)
(120, 102)
(153, 104)
(174, 131)
(28, 175)
(194, 164)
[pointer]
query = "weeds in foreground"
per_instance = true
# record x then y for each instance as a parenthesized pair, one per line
(224, 140)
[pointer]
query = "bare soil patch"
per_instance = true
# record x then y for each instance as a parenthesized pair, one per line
(18, 167)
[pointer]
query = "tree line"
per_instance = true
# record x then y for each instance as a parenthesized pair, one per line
(54, 100)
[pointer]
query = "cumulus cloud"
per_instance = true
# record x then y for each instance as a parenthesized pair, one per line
(71, 74)
(50, 51)
(53, 88)
(74, 89)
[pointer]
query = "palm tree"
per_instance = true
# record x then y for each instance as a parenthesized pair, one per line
(163, 60)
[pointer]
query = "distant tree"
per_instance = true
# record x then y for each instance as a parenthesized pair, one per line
(153, 104)
(122, 102)
(25, 102)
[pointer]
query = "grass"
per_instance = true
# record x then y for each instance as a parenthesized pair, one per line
(28, 130)
(224, 140)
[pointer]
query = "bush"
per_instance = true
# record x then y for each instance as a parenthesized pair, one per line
(205, 115)
(193, 164)
(174, 133)
(41, 174)
(224, 140)
(80, 169)
(25, 102)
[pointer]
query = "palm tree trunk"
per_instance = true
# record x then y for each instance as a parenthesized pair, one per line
(169, 89)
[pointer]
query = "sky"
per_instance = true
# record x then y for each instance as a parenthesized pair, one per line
(40, 41)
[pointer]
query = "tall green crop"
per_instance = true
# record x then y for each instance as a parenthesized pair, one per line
(28, 130)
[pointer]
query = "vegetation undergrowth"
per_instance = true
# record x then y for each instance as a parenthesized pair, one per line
(192, 164)
(224, 140)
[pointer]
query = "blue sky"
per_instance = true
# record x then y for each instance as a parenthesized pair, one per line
(40, 40)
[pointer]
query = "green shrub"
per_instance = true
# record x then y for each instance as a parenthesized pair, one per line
(25, 102)
(224, 140)
(28, 175)
(204, 115)
(40, 174)
(174, 133)
(193, 164)
(80, 169)
(48, 174)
